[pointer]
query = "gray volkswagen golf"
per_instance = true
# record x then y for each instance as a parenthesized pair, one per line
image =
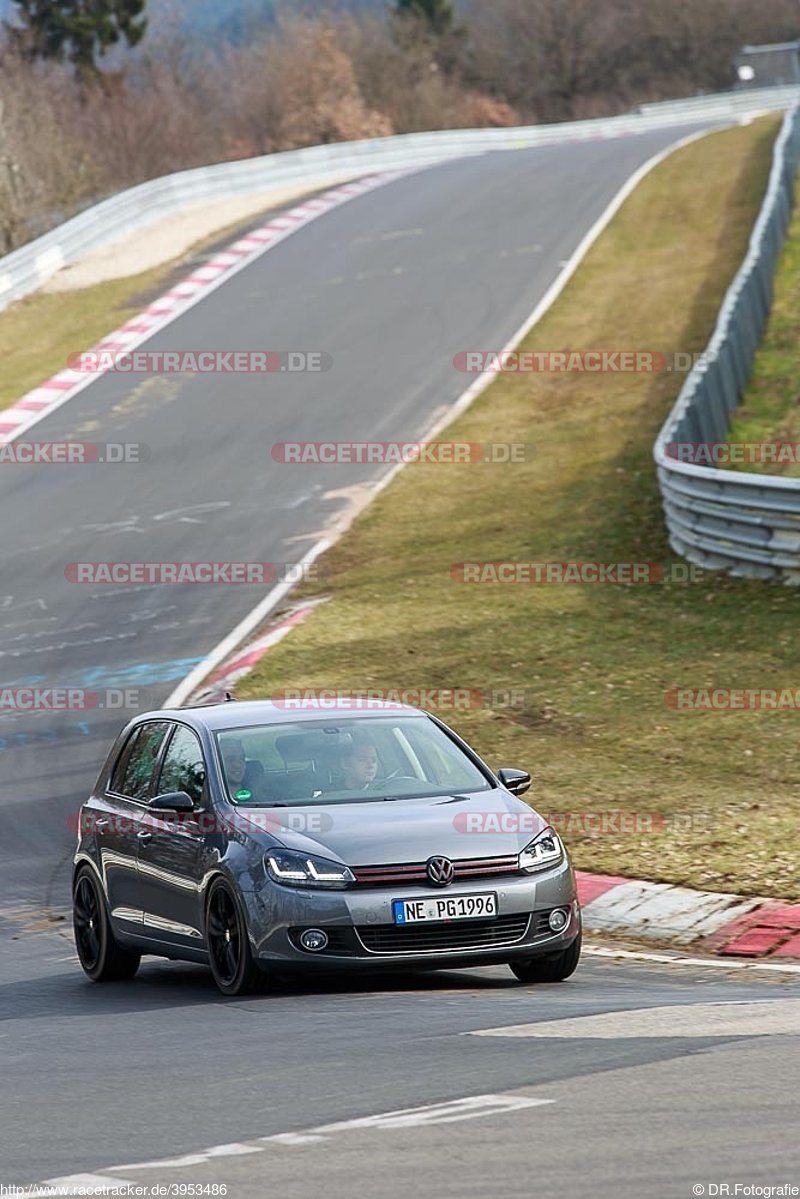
(259, 839)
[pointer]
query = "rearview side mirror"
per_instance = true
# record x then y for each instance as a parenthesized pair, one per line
(172, 801)
(515, 781)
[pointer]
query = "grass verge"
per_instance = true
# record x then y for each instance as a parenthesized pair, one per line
(770, 408)
(720, 792)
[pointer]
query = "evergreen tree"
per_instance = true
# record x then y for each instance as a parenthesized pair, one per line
(439, 15)
(79, 30)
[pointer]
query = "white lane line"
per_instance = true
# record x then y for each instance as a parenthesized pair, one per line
(674, 959)
(411, 1117)
(468, 1108)
(200, 1158)
(767, 1017)
(296, 1138)
(217, 655)
(243, 630)
(77, 1184)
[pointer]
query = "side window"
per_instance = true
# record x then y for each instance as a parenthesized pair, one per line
(183, 768)
(135, 766)
(121, 764)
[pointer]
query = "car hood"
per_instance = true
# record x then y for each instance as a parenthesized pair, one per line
(468, 825)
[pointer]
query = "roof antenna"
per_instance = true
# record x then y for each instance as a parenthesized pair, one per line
(230, 697)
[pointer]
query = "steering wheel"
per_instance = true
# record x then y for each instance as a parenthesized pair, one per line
(394, 777)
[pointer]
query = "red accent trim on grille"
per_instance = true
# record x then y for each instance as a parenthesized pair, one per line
(414, 872)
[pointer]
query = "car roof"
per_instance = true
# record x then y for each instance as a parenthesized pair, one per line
(238, 714)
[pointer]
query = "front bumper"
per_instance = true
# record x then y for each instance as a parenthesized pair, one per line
(362, 933)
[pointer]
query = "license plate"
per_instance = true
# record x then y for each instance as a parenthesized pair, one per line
(452, 907)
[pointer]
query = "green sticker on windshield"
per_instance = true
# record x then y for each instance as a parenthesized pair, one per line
(243, 793)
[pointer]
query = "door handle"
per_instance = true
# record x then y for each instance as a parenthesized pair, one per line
(143, 837)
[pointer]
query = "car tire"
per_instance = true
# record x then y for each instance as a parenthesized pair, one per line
(101, 956)
(229, 953)
(550, 968)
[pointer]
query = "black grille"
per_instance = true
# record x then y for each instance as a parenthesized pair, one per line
(466, 934)
(340, 941)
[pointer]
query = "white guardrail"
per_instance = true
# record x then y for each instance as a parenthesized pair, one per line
(744, 523)
(28, 268)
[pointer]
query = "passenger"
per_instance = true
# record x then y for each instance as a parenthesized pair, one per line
(245, 778)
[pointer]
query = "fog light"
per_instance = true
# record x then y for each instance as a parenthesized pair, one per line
(313, 939)
(558, 920)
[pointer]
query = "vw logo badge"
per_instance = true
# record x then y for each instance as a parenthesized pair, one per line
(440, 871)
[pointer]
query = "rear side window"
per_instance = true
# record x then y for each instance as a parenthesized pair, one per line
(134, 767)
(183, 768)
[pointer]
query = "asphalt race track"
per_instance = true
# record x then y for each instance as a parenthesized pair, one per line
(100, 1081)
(392, 284)
(163, 1067)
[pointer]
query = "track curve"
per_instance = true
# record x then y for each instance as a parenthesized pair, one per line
(392, 284)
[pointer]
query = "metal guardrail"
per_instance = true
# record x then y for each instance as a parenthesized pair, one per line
(779, 96)
(747, 524)
(28, 268)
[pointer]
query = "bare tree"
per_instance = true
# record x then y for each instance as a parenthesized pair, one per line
(45, 170)
(311, 79)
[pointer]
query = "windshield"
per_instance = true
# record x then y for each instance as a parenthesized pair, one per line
(343, 761)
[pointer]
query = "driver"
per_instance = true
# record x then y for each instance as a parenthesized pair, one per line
(358, 763)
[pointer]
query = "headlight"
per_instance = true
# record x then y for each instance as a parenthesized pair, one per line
(303, 870)
(543, 851)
